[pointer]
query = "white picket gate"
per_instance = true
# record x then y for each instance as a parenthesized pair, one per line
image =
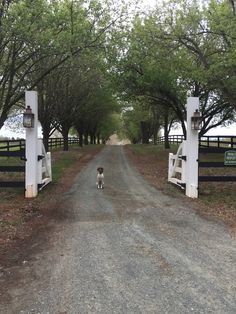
(44, 166)
(177, 166)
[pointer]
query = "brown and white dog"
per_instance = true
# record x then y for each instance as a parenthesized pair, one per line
(100, 178)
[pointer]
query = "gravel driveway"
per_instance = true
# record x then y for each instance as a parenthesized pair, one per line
(128, 249)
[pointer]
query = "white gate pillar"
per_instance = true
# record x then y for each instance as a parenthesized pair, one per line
(192, 150)
(31, 148)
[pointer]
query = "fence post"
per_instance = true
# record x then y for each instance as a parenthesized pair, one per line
(192, 151)
(31, 148)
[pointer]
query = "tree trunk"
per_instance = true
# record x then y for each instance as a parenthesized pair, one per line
(45, 139)
(81, 142)
(91, 138)
(2, 120)
(166, 132)
(98, 138)
(86, 142)
(156, 127)
(65, 140)
(155, 138)
(80, 130)
(184, 129)
(145, 130)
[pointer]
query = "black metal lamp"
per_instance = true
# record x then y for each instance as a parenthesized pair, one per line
(196, 120)
(28, 118)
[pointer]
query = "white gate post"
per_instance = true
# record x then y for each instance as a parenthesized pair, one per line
(31, 148)
(192, 150)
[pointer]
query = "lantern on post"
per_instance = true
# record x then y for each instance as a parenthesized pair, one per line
(196, 120)
(28, 118)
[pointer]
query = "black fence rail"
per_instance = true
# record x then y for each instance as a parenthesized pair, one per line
(19, 145)
(224, 141)
(16, 148)
(59, 142)
(11, 149)
(12, 145)
(217, 151)
(173, 139)
(219, 141)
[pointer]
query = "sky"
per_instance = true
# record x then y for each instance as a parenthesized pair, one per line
(151, 3)
(230, 130)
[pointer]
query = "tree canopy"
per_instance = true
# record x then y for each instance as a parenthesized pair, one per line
(181, 48)
(91, 59)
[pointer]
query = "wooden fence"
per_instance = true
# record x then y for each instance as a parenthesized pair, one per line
(12, 145)
(223, 141)
(58, 142)
(173, 139)
(15, 145)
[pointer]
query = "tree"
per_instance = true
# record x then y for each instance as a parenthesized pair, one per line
(38, 38)
(179, 49)
(146, 70)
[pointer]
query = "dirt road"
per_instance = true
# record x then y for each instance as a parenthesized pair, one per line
(127, 249)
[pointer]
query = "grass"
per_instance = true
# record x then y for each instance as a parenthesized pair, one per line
(60, 162)
(156, 151)
(18, 214)
(218, 196)
(153, 149)
(5, 224)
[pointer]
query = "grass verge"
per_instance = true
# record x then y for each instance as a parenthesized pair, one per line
(216, 199)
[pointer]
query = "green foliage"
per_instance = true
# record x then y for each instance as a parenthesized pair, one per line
(85, 58)
(43, 37)
(178, 48)
(110, 125)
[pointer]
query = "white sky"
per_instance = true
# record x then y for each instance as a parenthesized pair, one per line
(151, 3)
(230, 130)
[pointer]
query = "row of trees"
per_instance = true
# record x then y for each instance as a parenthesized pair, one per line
(78, 96)
(58, 48)
(182, 47)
